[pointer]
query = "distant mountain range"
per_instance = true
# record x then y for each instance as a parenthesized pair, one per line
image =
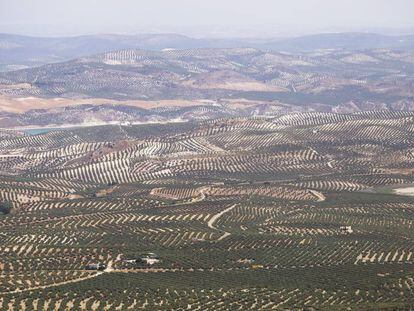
(17, 52)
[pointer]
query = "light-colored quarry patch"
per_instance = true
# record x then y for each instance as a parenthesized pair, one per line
(405, 191)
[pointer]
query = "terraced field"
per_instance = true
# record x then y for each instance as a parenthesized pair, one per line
(241, 213)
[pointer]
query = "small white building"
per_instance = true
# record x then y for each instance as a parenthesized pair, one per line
(150, 261)
(346, 229)
(96, 266)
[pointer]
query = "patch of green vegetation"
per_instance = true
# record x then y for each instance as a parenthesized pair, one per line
(334, 97)
(364, 197)
(5, 208)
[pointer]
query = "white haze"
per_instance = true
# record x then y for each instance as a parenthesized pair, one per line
(225, 18)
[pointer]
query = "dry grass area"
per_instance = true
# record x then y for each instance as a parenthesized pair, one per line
(237, 86)
(21, 105)
(402, 171)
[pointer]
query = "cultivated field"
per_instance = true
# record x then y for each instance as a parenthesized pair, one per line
(284, 212)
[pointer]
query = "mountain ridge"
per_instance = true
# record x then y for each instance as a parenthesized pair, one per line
(17, 51)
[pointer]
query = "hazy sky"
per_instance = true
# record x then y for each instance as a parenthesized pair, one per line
(203, 17)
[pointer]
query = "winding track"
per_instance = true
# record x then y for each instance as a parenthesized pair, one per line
(54, 285)
(213, 219)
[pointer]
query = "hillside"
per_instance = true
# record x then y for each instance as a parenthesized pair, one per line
(330, 81)
(292, 212)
